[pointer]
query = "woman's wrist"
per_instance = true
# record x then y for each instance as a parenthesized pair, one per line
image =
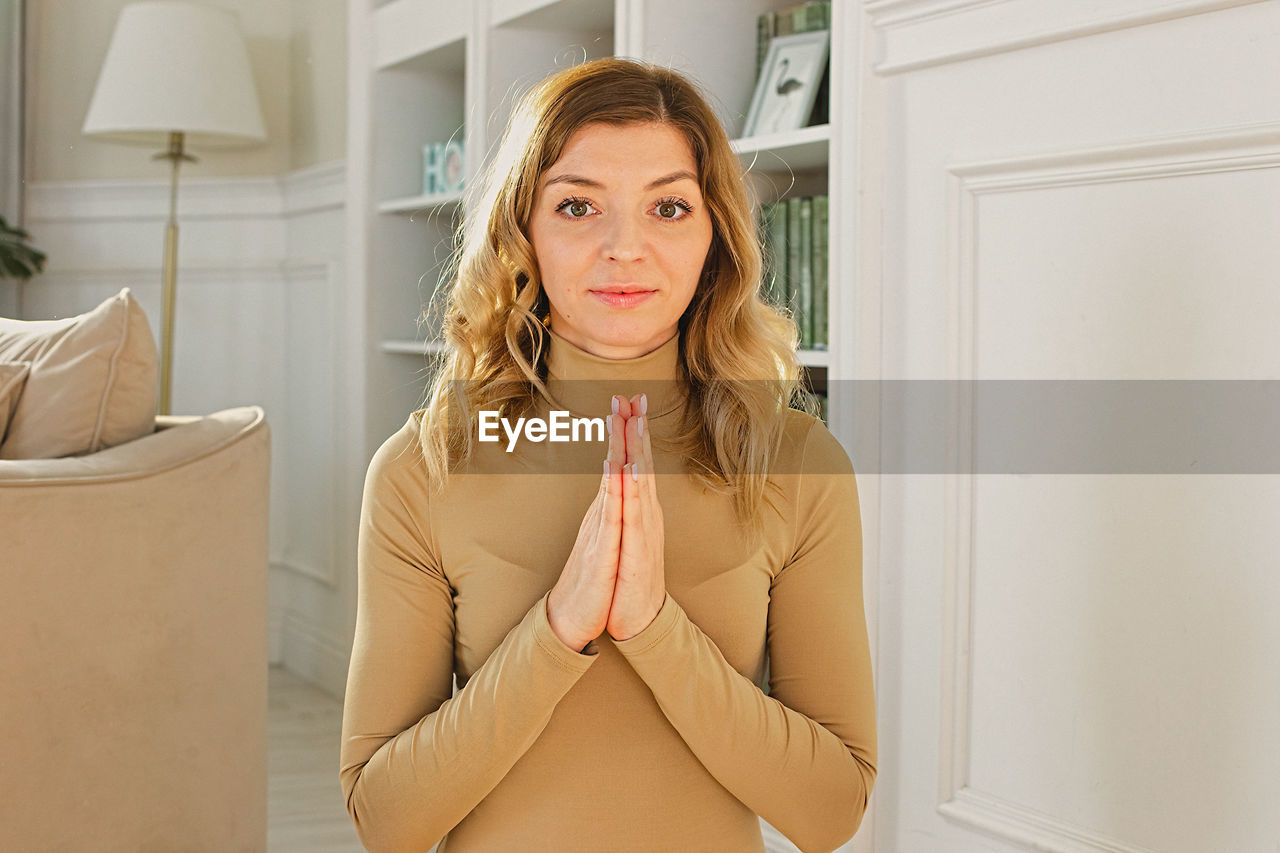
(558, 629)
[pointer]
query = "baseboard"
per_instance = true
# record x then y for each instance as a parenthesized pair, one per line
(310, 651)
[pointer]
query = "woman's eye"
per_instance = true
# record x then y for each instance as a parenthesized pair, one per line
(673, 208)
(669, 209)
(577, 207)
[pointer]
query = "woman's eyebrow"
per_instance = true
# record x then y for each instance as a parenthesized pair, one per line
(578, 180)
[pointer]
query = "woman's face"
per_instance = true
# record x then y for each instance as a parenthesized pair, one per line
(621, 234)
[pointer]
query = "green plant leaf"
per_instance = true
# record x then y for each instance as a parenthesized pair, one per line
(18, 258)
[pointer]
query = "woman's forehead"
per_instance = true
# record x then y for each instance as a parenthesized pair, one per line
(648, 155)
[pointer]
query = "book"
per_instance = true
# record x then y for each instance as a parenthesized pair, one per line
(764, 33)
(793, 256)
(821, 330)
(777, 252)
(767, 270)
(804, 278)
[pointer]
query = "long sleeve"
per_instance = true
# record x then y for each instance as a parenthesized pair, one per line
(804, 756)
(414, 761)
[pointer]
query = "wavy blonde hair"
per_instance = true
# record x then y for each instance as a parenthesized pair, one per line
(737, 352)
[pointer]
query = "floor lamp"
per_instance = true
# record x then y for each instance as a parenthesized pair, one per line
(175, 72)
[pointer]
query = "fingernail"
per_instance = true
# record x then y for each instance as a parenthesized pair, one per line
(606, 468)
(635, 478)
(644, 404)
(614, 400)
(608, 425)
(640, 425)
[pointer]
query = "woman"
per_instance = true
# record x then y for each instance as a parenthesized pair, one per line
(608, 630)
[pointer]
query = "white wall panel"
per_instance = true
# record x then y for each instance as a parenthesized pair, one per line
(1078, 191)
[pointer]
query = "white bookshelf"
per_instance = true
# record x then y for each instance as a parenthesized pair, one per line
(802, 150)
(419, 203)
(423, 348)
(426, 71)
(814, 358)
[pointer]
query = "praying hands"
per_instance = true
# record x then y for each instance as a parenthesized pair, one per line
(613, 580)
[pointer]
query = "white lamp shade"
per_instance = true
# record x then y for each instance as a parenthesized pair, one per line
(176, 66)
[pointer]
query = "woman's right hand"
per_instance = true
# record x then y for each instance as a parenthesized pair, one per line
(578, 605)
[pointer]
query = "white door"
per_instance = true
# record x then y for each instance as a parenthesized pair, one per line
(1074, 190)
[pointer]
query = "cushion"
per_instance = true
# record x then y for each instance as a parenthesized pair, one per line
(91, 384)
(13, 376)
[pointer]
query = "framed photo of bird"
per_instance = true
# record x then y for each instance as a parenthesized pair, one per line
(788, 83)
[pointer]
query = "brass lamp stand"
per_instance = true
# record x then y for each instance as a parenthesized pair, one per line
(175, 155)
(176, 70)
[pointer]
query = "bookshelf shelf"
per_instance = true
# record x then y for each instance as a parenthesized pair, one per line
(419, 203)
(814, 357)
(551, 14)
(413, 347)
(430, 35)
(801, 150)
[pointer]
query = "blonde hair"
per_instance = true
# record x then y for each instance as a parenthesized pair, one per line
(737, 351)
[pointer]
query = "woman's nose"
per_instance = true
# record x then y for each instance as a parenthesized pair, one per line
(624, 239)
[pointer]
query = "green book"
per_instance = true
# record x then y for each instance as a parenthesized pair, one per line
(793, 257)
(805, 17)
(817, 16)
(784, 22)
(796, 18)
(777, 253)
(821, 331)
(766, 253)
(804, 281)
(764, 32)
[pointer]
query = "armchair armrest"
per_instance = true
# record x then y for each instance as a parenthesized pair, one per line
(134, 619)
(178, 439)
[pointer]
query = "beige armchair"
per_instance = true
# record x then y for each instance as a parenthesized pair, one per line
(134, 626)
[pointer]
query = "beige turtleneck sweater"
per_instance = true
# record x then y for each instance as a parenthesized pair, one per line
(670, 740)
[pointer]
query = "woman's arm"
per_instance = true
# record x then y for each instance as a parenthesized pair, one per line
(415, 762)
(803, 757)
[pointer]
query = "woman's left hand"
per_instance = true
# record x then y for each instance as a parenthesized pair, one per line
(641, 586)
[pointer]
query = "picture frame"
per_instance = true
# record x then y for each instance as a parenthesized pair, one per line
(788, 84)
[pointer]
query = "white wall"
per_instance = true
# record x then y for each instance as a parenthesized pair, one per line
(67, 41)
(298, 52)
(318, 81)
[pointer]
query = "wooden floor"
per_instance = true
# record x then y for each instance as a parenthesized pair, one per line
(305, 812)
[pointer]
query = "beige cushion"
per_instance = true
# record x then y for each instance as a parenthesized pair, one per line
(92, 381)
(13, 376)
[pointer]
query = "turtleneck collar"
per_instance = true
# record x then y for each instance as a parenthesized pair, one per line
(584, 382)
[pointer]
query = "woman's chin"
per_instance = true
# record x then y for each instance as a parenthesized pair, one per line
(634, 338)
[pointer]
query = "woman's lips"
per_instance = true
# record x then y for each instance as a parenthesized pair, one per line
(622, 300)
